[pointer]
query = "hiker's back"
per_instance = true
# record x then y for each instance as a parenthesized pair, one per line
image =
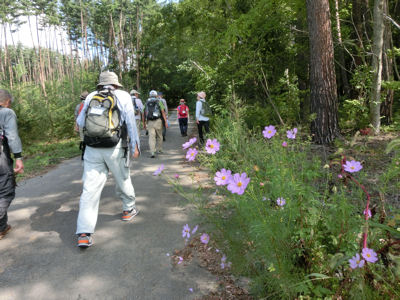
(153, 110)
(102, 120)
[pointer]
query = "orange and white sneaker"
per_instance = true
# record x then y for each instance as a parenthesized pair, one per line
(128, 215)
(5, 231)
(84, 240)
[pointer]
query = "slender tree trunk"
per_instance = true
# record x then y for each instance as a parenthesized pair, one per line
(343, 72)
(387, 70)
(377, 46)
(139, 17)
(360, 18)
(324, 127)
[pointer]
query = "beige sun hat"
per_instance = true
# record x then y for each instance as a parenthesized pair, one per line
(134, 92)
(107, 78)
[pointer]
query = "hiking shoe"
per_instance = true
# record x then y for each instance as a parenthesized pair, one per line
(163, 138)
(128, 215)
(5, 231)
(159, 151)
(152, 155)
(84, 240)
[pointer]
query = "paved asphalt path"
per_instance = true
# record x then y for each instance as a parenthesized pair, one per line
(39, 258)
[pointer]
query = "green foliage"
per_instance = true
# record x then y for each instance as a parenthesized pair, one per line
(41, 155)
(301, 249)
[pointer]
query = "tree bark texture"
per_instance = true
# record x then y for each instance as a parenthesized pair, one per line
(377, 46)
(323, 96)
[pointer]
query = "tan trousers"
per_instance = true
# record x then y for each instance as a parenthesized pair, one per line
(155, 135)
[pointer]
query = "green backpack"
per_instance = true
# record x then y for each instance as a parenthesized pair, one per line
(102, 122)
(205, 110)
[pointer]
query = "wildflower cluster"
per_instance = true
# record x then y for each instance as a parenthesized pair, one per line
(270, 131)
(212, 147)
(236, 183)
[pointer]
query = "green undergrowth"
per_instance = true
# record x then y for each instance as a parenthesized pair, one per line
(39, 156)
(302, 248)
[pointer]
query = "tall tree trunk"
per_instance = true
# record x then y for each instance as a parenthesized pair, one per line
(387, 70)
(377, 46)
(323, 96)
(343, 72)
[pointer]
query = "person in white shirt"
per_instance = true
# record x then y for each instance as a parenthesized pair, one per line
(99, 159)
(202, 121)
(164, 130)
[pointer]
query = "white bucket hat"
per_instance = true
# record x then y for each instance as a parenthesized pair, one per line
(107, 78)
(134, 92)
(153, 93)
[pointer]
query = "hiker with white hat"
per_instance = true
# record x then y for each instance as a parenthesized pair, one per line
(107, 119)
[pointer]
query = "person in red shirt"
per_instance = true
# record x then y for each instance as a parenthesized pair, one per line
(183, 117)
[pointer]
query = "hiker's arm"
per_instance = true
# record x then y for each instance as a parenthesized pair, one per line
(136, 154)
(130, 121)
(198, 108)
(14, 142)
(165, 118)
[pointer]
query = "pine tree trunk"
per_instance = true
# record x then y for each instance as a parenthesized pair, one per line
(324, 127)
(377, 46)
(139, 17)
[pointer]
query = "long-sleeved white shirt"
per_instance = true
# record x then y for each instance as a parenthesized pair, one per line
(199, 116)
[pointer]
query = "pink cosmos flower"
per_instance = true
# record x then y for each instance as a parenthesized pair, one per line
(269, 131)
(352, 166)
(280, 201)
(261, 184)
(238, 183)
(205, 238)
(369, 255)
(191, 154)
(195, 229)
(212, 146)
(176, 176)
(186, 231)
(367, 213)
(158, 171)
(291, 134)
(223, 177)
(189, 143)
(191, 290)
(284, 144)
(340, 176)
(356, 262)
(180, 259)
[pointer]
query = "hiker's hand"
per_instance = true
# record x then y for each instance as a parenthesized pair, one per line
(19, 166)
(166, 124)
(197, 122)
(137, 153)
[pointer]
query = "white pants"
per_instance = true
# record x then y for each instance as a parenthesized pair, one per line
(97, 163)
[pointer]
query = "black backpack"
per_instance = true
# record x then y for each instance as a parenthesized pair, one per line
(153, 110)
(102, 123)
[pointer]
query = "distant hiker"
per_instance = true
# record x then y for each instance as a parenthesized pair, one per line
(138, 107)
(78, 109)
(183, 116)
(154, 114)
(203, 112)
(107, 119)
(9, 143)
(165, 120)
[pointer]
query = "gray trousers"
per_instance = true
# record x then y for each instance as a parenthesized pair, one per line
(7, 194)
(97, 163)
